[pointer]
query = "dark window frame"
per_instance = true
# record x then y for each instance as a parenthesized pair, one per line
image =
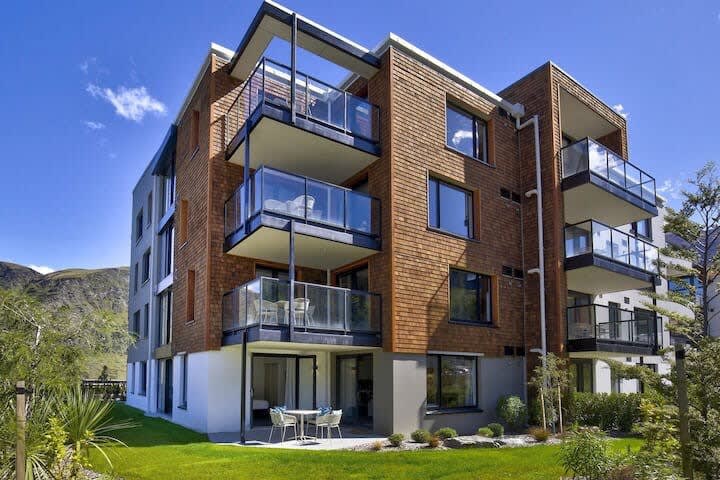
(146, 321)
(579, 375)
(139, 226)
(637, 233)
(436, 224)
(182, 398)
(476, 122)
(352, 275)
(490, 280)
(142, 384)
(135, 326)
(437, 407)
(146, 267)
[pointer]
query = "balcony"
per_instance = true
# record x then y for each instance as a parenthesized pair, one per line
(600, 184)
(599, 328)
(335, 134)
(334, 226)
(322, 314)
(600, 259)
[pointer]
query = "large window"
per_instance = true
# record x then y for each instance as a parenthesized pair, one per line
(167, 253)
(449, 208)
(165, 318)
(139, 225)
(643, 228)
(135, 327)
(356, 279)
(146, 266)
(582, 372)
(466, 133)
(451, 381)
(470, 297)
(142, 378)
(168, 188)
(183, 381)
(146, 321)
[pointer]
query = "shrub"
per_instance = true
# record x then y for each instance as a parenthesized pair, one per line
(377, 445)
(497, 429)
(614, 411)
(434, 442)
(485, 432)
(396, 439)
(511, 409)
(446, 432)
(586, 454)
(539, 434)
(421, 436)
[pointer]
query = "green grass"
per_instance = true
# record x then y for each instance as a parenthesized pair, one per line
(160, 449)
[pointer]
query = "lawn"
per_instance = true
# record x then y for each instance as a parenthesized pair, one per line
(160, 449)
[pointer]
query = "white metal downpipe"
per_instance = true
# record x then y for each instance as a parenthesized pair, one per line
(537, 191)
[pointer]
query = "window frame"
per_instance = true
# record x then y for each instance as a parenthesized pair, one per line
(139, 226)
(469, 207)
(135, 325)
(476, 121)
(182, 397)
(143, 377)
(636, 232)
(146, 267)
(491, 285)
(146, 321)
(437, 407)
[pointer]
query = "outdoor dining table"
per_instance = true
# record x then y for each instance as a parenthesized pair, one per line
(302, 414)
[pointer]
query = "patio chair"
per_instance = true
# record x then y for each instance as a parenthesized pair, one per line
(275, 205)
(267, 310)
(302, 206)
(331, 420)
(303, 310)
(321, 419)
(281, 421)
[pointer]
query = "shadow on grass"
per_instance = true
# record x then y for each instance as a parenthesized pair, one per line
(152, 431)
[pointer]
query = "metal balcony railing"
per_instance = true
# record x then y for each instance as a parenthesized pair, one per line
(314, 99)
(587, 154)
(601, 322)
(280, 193)
(599, 239)
(265, 302)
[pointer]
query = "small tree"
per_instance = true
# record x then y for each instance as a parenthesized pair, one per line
(549, 379)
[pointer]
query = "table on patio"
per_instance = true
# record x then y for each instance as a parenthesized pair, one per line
(301, 413)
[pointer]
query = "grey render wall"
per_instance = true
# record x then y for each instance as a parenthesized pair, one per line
(400, 384)
(140, 351)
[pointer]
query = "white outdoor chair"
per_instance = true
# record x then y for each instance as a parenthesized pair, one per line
(282, 421)
(302, 206)
(267, 310)
(275, 206)
(303, 310)
(329, 421)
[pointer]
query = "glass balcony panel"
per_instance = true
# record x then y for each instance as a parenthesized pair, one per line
(648, 188)
(602, 241)
(276, 84)
(633, 180)
(317, 306)
(325, 103)
(616, 169)
(651, 258)
(283, 193)
(253, 304)
(581, 322)
(637, 253)
(577, 240)
(575, 158)
(362, 118)
(598, 159)
(611, 324)
(326, 203)
(620, 246)
(361, 308)
(359, 212)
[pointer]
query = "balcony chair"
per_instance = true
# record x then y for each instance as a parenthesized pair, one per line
(274, 205)
(266, 310)
(328, 422)
(303, 310)
(281, 421)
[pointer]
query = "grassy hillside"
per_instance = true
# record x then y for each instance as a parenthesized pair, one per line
(84, 292)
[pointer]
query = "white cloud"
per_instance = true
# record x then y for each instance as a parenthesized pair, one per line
(671, 189)
(41, 269)
(621, 110)
(86, 64)
(94, 125)
(130, 103)
(461, 135)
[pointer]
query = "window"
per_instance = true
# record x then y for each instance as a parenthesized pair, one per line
(146, 266)
(195, 132)
(142, 378)
(168, 187)
(652, 367)
(449, 208)
(135, 327)
(167, 251)
(270, 272)
(165, 318)
(131, 378)
(190, 305)
(183, 228)
(451, 381)
(136, 277)
(146, 321)
(183, 381)
(643, 228)
(681, 285)
(356, 279)
(582, 372)
(466, 133)
(149, 209)
(139, 226)
(470, 297)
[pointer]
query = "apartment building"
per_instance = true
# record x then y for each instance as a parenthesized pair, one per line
(403, 244)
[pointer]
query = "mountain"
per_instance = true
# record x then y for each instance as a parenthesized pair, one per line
(84, 290)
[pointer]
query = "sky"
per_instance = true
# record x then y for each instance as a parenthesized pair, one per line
(89, 89)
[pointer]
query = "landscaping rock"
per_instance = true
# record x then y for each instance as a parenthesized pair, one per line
(473, 441)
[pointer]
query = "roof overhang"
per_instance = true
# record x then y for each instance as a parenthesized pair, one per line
(274, 20)
(164, 155)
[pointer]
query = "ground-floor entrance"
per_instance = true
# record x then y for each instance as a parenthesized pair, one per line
(283, 380)
(354, 388)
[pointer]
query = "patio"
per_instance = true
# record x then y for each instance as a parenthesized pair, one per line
(258, 437)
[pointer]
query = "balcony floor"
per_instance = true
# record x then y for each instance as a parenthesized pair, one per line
(596, 275)
(308, 148)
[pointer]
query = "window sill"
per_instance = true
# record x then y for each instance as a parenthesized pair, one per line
(473, 324)
(450, 234)
(450, 411)
(468, 157)
(182, 407)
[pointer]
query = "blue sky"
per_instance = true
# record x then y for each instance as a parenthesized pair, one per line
(89, 89)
